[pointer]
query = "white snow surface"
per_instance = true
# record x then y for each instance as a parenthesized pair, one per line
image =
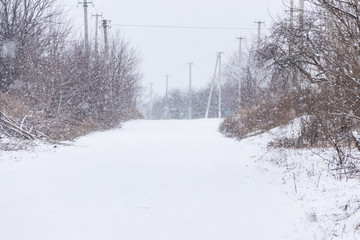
(161, 180)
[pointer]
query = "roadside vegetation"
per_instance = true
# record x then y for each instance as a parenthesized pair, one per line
(50, 87)
(309, 67)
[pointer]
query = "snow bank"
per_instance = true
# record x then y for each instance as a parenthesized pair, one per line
(308, 176)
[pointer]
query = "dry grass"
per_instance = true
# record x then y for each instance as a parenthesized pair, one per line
(259, 118)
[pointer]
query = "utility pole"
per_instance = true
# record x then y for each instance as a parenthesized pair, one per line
(292, 74)
(167, 108)
(239, 61)
(85, 5)
(301, 14)
(219, 82)
(96, 31)
(212, 87)
(218, 75)
(105, 26)
(291, 14)
(190, 90)
(150, 107)
(259, 29)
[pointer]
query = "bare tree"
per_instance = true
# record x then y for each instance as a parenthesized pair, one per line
(24, 33)
(67, 92)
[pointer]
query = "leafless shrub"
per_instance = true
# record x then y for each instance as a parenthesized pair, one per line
(274, 110)
(317, 60)
(50, 88)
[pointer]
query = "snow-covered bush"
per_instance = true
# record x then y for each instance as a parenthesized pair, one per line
(62, 91)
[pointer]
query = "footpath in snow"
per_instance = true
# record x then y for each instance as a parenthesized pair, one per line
(161, 180)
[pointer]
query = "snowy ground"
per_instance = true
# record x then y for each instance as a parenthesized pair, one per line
(331, 201)
(163, 180)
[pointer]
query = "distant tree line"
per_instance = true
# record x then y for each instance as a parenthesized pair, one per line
(178, 99)
(178, 103)
(50, 86)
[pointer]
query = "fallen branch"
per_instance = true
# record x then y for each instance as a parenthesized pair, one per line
(11, 125)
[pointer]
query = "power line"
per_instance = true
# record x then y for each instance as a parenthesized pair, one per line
(182, 27)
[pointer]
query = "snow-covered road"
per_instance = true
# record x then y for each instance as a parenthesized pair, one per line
(161, 180)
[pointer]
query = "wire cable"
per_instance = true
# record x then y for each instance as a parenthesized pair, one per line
(181, 27)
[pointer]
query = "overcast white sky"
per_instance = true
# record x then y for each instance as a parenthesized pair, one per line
(167, 51)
